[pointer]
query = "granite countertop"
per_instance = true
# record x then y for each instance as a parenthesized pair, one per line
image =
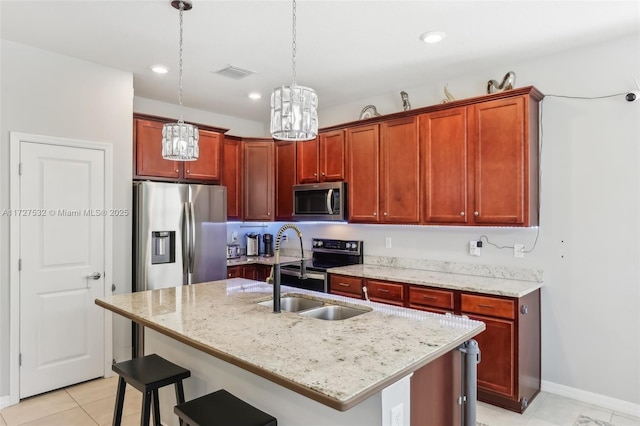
(465, 282)
(337, 363)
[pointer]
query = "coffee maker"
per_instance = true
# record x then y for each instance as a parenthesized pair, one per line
(268, 245)
(253, 244)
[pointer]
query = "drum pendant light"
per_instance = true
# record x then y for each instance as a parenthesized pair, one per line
(294, 109)
(180, 140)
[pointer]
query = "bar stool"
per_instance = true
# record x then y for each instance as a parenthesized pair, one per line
(222, 408)
(148, 374)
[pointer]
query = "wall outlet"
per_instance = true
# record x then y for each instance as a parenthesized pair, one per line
(474, 248)
(518, 250)
(387, 242)
(397, 415)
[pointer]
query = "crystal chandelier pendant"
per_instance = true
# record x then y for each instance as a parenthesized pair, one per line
(294, 109)
(294, 114)
(180, 142)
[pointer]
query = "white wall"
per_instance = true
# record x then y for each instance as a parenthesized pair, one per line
(236, 126)
(49, 94)
(589, 243)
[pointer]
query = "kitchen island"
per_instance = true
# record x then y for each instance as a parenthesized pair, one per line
(302, 370)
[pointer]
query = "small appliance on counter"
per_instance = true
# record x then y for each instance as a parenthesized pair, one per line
(268, 245)
(233, 251)
(253, 244)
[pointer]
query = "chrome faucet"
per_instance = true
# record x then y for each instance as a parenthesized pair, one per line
(274, 277)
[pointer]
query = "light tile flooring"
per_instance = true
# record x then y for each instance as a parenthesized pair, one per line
(91, 404)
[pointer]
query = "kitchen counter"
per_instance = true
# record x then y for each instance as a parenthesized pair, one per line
(260, 260)
(336, 363)
(452, 281)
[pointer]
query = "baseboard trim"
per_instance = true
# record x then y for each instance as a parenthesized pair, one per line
(5, 401)
(617, 405)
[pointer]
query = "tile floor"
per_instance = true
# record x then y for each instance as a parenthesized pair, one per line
(91, 404)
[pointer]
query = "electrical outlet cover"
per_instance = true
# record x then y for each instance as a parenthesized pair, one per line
(474, 250)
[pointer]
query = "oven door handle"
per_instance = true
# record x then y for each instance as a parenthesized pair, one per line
(296, 273)
(330, 201)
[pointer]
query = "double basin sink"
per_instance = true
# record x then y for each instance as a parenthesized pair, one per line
(324, 310)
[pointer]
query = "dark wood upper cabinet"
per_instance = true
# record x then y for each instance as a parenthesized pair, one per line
(232, 176)
(148, 150)
(285, 159)
(149, 164)
(322, 159)
(258, 180)
(363, 171)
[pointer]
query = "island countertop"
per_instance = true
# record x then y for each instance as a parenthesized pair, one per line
(337, 363)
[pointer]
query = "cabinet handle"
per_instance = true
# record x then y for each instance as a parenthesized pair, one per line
(429, 298)
(375, 214)
(385, 213)
(344, 285)
(177, 170)
(476, 214)
(188, 171)
(383, 290)
(322, 173)
(268, 213)
(461, 213)
(486, 306)
(315, 174)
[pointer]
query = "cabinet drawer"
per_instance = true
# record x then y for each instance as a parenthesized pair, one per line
(343, 284)
(384, 291)
(491, 306)
(429, 297)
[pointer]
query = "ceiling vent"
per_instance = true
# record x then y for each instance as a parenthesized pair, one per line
(235, 73)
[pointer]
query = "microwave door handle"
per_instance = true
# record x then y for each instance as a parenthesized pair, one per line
(330, 201)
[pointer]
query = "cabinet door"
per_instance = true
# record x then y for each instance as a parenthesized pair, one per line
(262, 272)
(363, 165)
(234, 272)
(307, 161)
(500, 161)
(232, 176)
(332, 153)
(285, 158)
(497, 371)
(443, 138)
(148, 144)
(207, 166)
(249, 272)
(258, 180)
(399, 171)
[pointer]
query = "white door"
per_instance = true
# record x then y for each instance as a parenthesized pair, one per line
(62, 234)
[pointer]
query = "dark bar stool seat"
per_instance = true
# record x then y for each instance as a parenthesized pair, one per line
(148, 374)
(222, 408)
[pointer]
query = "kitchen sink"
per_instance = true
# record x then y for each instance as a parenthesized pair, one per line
(293, 304)
(333, 312)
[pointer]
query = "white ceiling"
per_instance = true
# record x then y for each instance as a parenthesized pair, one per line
(346, 50)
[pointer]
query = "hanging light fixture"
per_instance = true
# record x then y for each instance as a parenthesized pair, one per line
(180, 140)
(294, 109)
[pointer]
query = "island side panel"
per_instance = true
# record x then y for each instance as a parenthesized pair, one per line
(209, 374)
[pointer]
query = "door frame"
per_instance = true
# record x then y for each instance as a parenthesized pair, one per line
(15, 141)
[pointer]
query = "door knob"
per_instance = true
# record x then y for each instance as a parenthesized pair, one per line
(94, 276)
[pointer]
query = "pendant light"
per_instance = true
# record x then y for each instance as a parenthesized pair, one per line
(294, 114)
(180, 140)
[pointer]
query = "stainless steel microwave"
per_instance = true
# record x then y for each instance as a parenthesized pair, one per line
(320, 201)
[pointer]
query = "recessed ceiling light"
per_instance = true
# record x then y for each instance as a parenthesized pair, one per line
(432, 37)
(160, 69)
(254, 96)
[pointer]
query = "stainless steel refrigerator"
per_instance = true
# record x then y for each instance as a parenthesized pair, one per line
(179, 238)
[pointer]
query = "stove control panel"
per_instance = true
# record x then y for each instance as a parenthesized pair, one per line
(336, 246)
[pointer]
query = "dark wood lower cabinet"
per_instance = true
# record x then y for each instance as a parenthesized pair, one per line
(509, 373)
(435, 389)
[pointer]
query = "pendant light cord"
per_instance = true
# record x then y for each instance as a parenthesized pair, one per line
(293, 57)
(180, 63)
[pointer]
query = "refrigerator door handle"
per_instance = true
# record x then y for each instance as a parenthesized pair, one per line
(186, 236)
(192, 239)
